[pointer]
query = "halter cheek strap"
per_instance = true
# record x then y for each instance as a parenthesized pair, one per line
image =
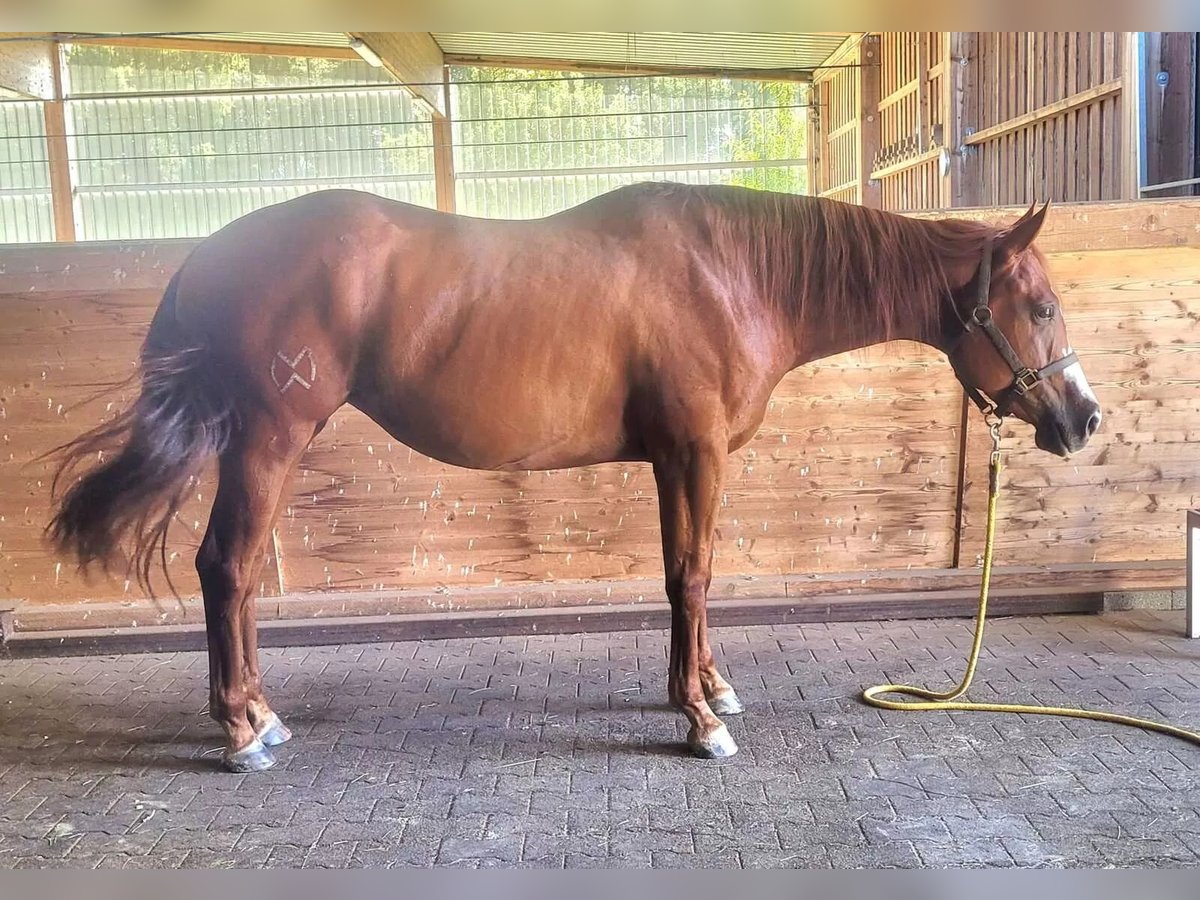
(1025, 378)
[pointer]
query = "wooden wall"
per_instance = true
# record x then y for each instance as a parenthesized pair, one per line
(914, 75)
(990, 119)
(1170, 111)
(369, 514)
(842, 127)
(857, 473)
(1048, 115)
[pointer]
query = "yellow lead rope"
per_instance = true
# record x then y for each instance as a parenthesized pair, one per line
(933, 700)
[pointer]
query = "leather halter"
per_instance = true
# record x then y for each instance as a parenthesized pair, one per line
(1025, 379)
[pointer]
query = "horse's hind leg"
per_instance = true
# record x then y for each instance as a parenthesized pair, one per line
(689, 490)
(253, 473)
(266, 723)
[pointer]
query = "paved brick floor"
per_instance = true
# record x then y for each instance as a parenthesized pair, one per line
(552, 751)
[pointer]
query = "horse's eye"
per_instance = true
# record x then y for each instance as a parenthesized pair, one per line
(1045, 312)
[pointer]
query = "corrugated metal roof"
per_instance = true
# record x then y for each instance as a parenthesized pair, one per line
(720, 49)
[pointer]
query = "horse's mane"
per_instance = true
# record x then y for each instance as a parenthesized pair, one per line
(878, 273)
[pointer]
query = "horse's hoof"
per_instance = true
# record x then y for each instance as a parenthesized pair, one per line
(254, 757)
(717, 744)
(726, 704)
(273, 732)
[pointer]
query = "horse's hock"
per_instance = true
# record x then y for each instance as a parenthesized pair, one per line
(861, 496)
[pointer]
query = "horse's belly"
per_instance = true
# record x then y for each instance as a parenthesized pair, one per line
(480, 428)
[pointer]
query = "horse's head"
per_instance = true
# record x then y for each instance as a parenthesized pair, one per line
(1013, 346)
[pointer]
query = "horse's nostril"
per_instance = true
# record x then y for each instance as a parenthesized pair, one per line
(1093, 423)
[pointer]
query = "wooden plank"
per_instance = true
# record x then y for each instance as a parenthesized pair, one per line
(906, 164)
(62, 198)
(443, 151)
(835, 591)
(108, 266)
(1050, 110)
(1135, 321)
(388, 629)
(803, 76)
(414, 59)
(443, 163)
(1193, 573)
(921, 123)
(867, 116)
(57, 350)
(1096, 75)
(897, 95)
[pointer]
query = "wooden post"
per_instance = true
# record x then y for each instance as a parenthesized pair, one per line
(922, 124)
(58, 157)
(1131, 108)
(868, 119)
(1193, 573)
(967, 117)
(443, 150)
(952, 100)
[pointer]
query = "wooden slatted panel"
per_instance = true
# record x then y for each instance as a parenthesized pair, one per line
(838, 130)
(912, 116)
(1071, 152)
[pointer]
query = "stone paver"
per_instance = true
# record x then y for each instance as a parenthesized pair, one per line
(559, 751)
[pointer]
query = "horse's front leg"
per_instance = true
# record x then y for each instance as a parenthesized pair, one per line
(689, 482)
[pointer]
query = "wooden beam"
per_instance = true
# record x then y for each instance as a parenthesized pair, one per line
(1193, 573)
(922, 92)
(415, 59)
(1083, 98)
(62, 196)
(870, 193)
(905, 164)
(25, 66)
(954, 96)
(443, 151)
(209, 45)
(803, 76)
(582, 620)
(897, 95)
(1131, 108)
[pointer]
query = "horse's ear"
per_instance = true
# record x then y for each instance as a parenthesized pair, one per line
(1016, 240)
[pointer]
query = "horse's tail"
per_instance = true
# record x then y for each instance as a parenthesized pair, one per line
(145, 459)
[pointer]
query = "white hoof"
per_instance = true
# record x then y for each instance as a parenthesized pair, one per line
(254, 757)
(726, 704)
(273, 732)
(717, 744)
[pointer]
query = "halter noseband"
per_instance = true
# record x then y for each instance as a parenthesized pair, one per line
(1025, 379)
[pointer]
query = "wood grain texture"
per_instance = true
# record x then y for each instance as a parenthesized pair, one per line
(414, 58)
(855, 468)
(57, 350)
(1134, 319)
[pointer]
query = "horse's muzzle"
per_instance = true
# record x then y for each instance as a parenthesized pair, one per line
(1068, 431)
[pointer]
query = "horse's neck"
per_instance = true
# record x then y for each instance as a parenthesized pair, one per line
(819, 340)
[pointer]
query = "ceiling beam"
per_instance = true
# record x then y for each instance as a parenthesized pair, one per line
(26, 67)
(414, 59)
(562, 65)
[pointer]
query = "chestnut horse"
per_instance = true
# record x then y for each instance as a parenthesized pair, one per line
(649, 324)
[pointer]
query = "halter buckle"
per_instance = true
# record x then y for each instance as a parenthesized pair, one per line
(1025, 381)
